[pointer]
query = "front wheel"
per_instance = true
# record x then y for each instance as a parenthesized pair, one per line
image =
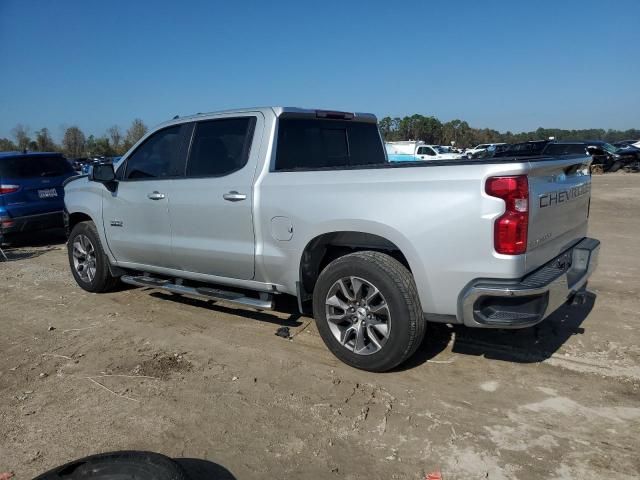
(368, 312)
(89, 264)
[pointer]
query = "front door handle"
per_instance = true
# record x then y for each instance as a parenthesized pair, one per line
(234, 196)
(155, 195)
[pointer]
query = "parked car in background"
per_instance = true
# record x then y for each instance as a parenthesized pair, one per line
(472, 152)
(490, 152)
(31, 192)
(610, 158)
(523, 149)
(413, 151)
(627, 143)
(248, 205)
(86, 167)
(78, 163)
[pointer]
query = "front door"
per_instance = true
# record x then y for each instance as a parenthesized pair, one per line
(211, 207)
(136, 215)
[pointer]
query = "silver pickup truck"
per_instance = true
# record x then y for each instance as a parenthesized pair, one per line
(249, 205)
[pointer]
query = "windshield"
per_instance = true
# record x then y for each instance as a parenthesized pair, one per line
(609, 148)
(441, 150)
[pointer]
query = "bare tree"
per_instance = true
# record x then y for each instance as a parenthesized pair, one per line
(44, 141)
(116, 137)
(74, 142)
(21, 134)
(136, 131)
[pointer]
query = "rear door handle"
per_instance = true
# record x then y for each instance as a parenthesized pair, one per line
(155, 195)
(234, 196)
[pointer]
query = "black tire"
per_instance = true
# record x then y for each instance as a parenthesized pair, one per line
(615, 167)
(102, 281)
(122, 465)
(396, 284)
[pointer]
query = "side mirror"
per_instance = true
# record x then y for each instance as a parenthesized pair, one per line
(105, 174)
(102, 173)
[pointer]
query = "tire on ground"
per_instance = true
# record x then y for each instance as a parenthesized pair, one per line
(103, 281)
(397, 286)
(125, 464)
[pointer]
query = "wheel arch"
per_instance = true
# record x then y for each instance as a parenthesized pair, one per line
(326, 247)
(77, 217)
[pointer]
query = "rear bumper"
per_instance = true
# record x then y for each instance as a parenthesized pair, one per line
(31, 223)
(493, 303)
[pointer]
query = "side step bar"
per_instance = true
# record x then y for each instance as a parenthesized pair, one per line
(265, 302)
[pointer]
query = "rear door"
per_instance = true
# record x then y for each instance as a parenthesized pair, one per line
(559, 195)
(211, 208)
(32, 184)
(136, 215)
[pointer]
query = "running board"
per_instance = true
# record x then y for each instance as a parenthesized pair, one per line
(265, 302)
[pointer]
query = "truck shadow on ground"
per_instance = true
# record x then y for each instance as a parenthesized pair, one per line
(31, 245)
(197, 469)
(527, 345)
(293, 320)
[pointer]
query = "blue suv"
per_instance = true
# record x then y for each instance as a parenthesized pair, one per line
(31, 192)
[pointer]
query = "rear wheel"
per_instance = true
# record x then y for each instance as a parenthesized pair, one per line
(89, 264)
(368, 312)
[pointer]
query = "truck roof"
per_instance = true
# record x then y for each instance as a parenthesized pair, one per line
(282, 111)
(29, 154)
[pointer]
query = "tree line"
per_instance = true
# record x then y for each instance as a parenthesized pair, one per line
(429, 129)
(434, 132)
(75, 144)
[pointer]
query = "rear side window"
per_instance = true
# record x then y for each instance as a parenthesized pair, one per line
(220, 147)
(307, 144)
(32, 167)
(159, 156)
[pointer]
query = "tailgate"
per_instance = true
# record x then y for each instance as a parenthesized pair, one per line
(559, 193)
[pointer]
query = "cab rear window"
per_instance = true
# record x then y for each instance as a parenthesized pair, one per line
(309, 144)
(30, 167)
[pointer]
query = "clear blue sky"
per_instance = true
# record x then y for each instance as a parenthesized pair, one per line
(507, 64)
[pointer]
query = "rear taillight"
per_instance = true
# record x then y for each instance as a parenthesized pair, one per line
(510, 229)
(8, 189)
(5, 221)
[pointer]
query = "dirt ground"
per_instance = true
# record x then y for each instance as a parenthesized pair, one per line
(214, 386)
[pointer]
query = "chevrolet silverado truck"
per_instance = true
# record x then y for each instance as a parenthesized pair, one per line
(247, 206)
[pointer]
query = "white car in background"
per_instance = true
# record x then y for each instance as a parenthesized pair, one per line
(412, 151)
(480, 148)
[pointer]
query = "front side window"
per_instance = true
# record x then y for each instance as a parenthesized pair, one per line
(157, 157)
(220, 147)
(305, 144)
(429, 151)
